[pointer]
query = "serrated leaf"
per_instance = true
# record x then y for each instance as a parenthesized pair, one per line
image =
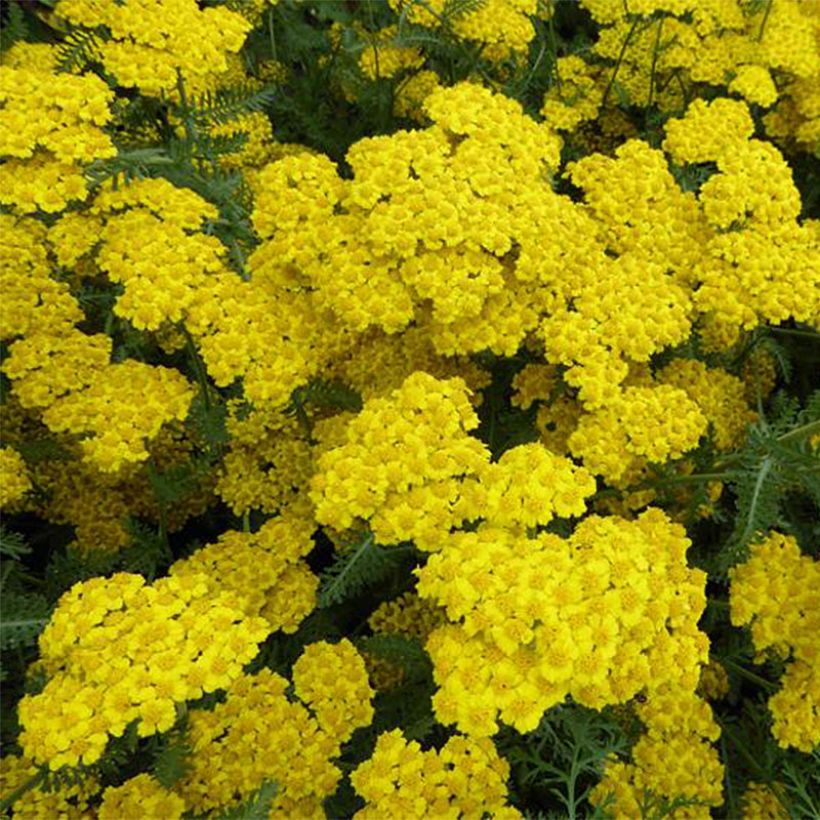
(400, 650)
(228, 104)
(257, 807)
(12, 544)
(357, 568)
(173, 759)
(22, 619)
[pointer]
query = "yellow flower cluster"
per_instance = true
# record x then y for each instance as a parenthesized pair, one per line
(719, 395)
(259, 733)
(381, 57)
(777, 593)
(465, 778)
(97, 504)
(674, 758)
(263, 569)
(44, 154)
(503, 27)
(407, 615)
(533, 383)
(14, 477)
(402, 463)
(378, 362)
(714, 680)
(268, 466)
(409, 467)
(41, 183)
(140, 796)
(163, 269)
(641, 425)
(759, 375)
(68, 802)
(425, 227)
(257, 148)
(760, 802)
(660, 52)
(127, 404)
(332, 681)
(31, 298)
(576, 95)
(118, 650)
(412, 92)
(70, 113)
(151, 42)
(759, 262)
(600, 616)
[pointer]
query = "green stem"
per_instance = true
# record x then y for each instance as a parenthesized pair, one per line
(694, 478)
(619, 61)
(745, 753)
(199, 369)
(808, 334)
(32, 783)
(554, 48)
(810, 429)
(655, 52)
(272, 35)
(764, 21)
(246, 521)
(190, 134)
(750, 676)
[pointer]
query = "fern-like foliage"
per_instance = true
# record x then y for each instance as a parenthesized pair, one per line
(408, 706)
(12, 544)
(775, 462)
(179, 481)
(22, 618)
(325, 394)
(79, 49)
(14, 28)
(147, 552)
(360, 566)
(800, 779)
(453, 9)
(228, 104)
(403, 651)
(564, 756)
(208, 423)
(127, 166)
(172, 757)
(257, 807)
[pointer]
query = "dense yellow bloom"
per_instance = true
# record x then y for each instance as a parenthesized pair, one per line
(14, 477)
(68, 802)
(152, 41)
(260, 733)
(268, 466)
(409, 467)
(597, 616)
(641, 425)
(718, 394)
(503, 26)
(777, 593)
(140, 796)
(332, 680)
(760, 802)
(263, 569)
(32, 299)
(466, 778)
(119, 650)
(70, 111)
